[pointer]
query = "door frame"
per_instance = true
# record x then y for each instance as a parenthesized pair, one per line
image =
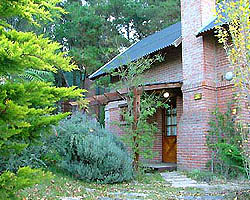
(170, 137)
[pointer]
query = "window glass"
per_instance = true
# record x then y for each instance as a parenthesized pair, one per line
(174, 130)
(169, 131)
(168, 120)
(174, 120)
(171, 119)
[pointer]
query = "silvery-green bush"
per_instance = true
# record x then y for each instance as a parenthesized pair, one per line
(92, 153)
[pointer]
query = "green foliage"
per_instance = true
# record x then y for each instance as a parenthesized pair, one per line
(24, 116)
(20, 51)
(224, 141)
(41, 154)
(27, 108)
(30, 9)
(142, 139)
(235, 39)
(139, 133)
(25, 177)
(96, 31)
(80, 31)
(37, 75)
(91, 153)
(138, 19)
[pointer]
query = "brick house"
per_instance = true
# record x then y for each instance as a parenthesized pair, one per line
(192, 73)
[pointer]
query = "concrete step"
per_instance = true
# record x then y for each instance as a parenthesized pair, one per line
(161, 167)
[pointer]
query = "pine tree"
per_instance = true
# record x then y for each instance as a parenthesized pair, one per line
(27, 107)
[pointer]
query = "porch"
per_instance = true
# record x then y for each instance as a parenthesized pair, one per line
(165, 144)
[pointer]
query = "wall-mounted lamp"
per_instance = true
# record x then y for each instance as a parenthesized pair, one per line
(166, 95)
(229, 76)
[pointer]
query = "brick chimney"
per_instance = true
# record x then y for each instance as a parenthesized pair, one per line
(199, 85)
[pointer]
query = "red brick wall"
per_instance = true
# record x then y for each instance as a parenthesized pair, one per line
(198, 56)
(191, 149)
(158, 136)
(170, 70)
(179, 108)
(224, 88)
(204, 67)
(114, 117)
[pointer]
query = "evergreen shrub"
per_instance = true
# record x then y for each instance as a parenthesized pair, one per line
(41, 154)
(91, 153)
(11, 183)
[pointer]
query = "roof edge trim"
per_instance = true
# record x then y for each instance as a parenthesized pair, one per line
(201, 30)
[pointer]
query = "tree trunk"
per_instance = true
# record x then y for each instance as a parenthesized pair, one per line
(74, 78)
(136, 112)
(84, 79)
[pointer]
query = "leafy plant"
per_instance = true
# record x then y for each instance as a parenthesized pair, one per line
(142, 139)
(224, 141)
(139, 133)
(91, 153)
(10, 183)
(235, 39)
(41, 154)
(37, 75)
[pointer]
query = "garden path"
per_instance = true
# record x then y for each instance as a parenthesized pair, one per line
(176, 180)
(179, 180)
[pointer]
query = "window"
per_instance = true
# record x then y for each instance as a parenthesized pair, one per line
(123, 110)
(171, 121)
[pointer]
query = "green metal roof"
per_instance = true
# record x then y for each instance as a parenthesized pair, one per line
(159, 40)
(210, 26)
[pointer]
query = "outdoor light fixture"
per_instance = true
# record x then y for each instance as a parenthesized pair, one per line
(229, 76)
(166, 95)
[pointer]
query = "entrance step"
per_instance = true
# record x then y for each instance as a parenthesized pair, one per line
(161, 166)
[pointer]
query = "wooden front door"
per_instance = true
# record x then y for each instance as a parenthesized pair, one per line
(169, 133)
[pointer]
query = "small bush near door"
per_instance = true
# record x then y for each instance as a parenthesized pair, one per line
(91, 153)
(224, 141)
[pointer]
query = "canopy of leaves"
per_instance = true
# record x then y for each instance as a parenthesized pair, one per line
(236, 40)
(27, 107)
(138, 19)
(97, 30)
(29, 9)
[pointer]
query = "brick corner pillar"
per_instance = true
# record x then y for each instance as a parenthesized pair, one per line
(199, 85)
